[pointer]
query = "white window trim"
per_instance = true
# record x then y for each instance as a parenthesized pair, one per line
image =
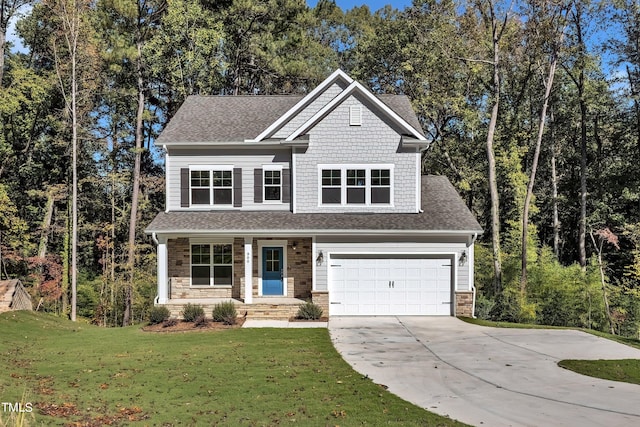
(211, 243)
(343, 185)
(266, 168)
(276, 244)
(211, 168)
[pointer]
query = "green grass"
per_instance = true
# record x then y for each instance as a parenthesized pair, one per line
(626, 370)
(83, 374)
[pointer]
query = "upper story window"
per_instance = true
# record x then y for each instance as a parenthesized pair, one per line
(348, 185)
(272, 185)
(331, 186)
(380, 186)
(211, 186)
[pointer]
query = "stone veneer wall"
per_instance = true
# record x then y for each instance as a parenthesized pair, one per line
(464, 304)
(180, 272)
(321, 298)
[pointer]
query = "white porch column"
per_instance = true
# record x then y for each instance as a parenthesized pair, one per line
(163, 271)
(248, 270)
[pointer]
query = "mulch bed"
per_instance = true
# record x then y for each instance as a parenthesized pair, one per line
(182, 326)
(322, 319)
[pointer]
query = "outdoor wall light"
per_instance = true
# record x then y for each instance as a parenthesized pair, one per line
(294, 245)
(320, 258)
(463, 259)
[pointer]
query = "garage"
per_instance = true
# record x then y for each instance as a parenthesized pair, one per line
(390, 285)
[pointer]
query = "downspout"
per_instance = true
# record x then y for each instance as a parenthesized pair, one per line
(473, 287)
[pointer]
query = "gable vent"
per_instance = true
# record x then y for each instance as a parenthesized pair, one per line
(355, 115)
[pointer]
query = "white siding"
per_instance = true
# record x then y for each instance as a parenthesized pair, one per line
(248, 160)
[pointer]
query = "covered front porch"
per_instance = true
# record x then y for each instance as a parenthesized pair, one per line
(266, 277)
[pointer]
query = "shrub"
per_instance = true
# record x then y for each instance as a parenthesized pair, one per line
(200, 322)
(309, 311)
(225, 312)
(191, 312)
(158, 315)
(169, 323)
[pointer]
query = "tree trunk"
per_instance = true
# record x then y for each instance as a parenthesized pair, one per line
(554, 194)
(46, 224)
(604, 284)
(532, 178)
(493, 185)
(128, 312)
(74, 167)
(3, 43)
(583, 177)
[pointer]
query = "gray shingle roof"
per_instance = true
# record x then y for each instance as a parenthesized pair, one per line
(236, 118)
(444, 211)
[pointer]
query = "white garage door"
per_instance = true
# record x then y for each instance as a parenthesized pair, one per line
(390, 286)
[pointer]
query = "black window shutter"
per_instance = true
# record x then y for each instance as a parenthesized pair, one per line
(237, 187)
(257, 185)
(286, 186)
(184, 187)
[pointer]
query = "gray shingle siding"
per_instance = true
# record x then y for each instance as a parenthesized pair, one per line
(334, 141)
(297, 121)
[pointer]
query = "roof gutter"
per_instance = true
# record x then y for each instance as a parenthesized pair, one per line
(308, 232)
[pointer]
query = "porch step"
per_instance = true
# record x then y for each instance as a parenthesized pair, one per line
(268, 311)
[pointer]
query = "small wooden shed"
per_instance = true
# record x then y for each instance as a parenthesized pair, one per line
(13, 296)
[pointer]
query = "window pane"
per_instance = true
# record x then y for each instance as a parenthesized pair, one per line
(199, 178)
(380, 195)
(200, 196)
(272, 193)
(222, 179)
(331, 177)
(380, 177)
(331, 195)
(200, 254)
(222, 275)
(356, 177)
(221, 197)
(200, 275)
(355, 195)
(272, 177)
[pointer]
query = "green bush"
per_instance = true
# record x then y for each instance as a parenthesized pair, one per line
(225, 312)
(309, 311)
(484, 305)
(191, 312)
(158, 315)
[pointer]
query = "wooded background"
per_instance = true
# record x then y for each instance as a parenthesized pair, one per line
(532, 106)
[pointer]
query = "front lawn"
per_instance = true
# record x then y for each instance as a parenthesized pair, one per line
(78, 374)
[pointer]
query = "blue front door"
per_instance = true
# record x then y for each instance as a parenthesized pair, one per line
(272, 271)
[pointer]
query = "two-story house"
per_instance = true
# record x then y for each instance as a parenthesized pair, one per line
(273, 200)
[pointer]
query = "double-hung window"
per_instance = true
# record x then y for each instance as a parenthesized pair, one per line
(211, 186)
(272, 185)
(356, 186)
(212, 264)
(331, 186)
(380, 186)
(352, 185)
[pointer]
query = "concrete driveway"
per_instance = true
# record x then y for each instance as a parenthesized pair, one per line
(489, 376)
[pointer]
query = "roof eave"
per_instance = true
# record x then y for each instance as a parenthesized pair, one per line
(325, 232)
